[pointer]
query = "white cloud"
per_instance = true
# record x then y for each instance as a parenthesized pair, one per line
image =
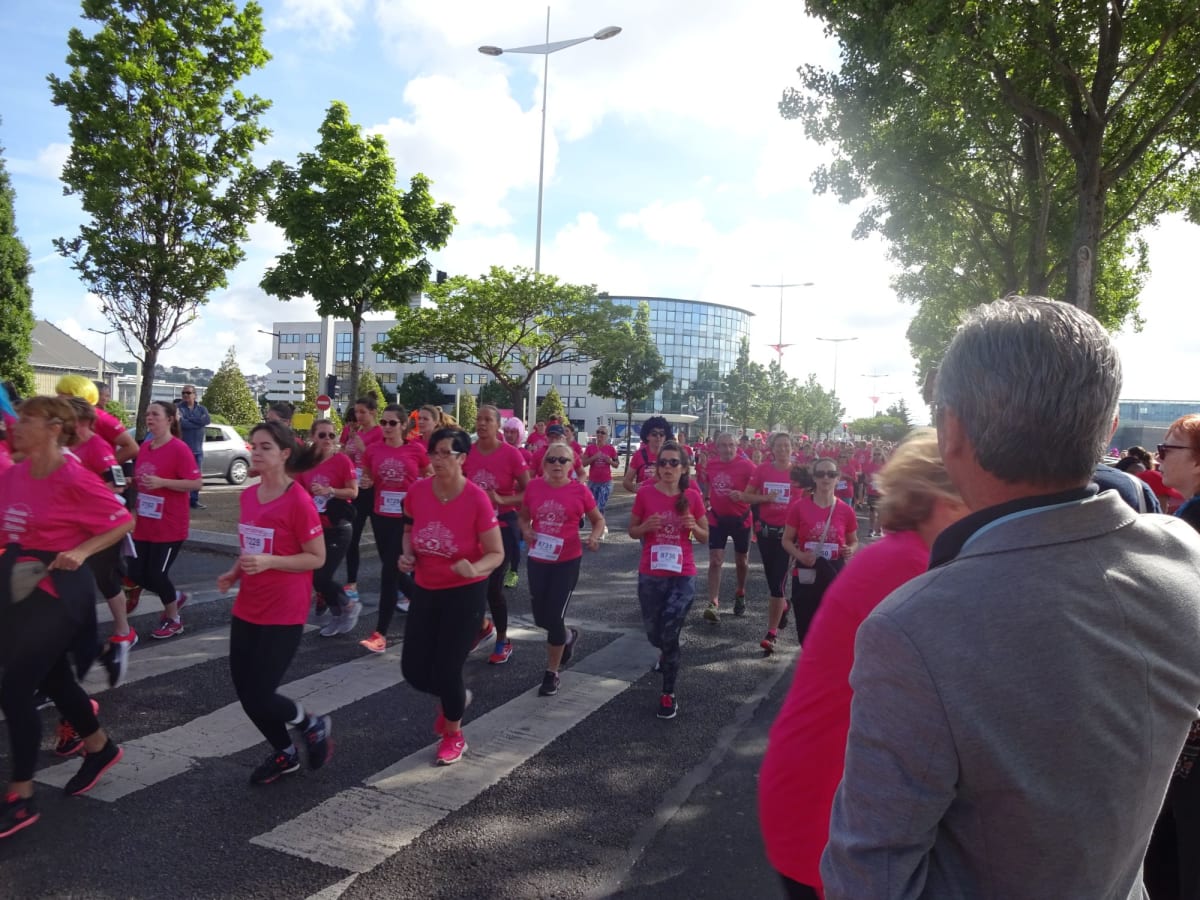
(47, 164)
(326, 22)
(679, 224)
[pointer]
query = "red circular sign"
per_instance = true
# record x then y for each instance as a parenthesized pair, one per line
(323, 402)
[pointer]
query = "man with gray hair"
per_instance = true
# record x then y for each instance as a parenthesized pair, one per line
(1018, 709)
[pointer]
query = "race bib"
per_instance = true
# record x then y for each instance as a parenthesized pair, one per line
(150, 506)
(842, 486)
(358, 472)
(257, 540)
(320, 502)
(391, 503)
(827, 550)
(666, 557)
(546, 547)
(778, 491)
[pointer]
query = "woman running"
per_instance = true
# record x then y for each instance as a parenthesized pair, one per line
(56, 516)
(600, 457)
(355, 439)
(392, 467)
(666, 516)
(282, 544)
(642, 468)
(500, 470)
(550, 514)
(165, 473)
(329, 478)
(771, 488)
(451, 545)
(821, 535)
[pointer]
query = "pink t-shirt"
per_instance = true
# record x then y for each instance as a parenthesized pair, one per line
(58, 512)
(335, 471)
(598, 471)
(667, 551)
(278, 528)
(555, 513)
(539, 456)
(108, 426)
(162, 513)
(393, 471)
(442, 533)
(96, 454)
(809, 521)
(371, 436)
(870, 469)
(642, 464)
(536, 440)
(807, 746)
(777, 484)
(497, 471)
(724, 477)
(6, 459)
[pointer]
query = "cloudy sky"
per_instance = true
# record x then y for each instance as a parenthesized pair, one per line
(668, 171)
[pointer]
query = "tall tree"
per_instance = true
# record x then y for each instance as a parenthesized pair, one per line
(899, 410)
(1010, 147)
(814, 409)
(746, 388)
(161, 159)
(779, 397)
(509, 323)
(630, 369)
(357, 244)
(228, 395)
(16, 299)
(551, 407)
(368, 383)
(465, 410)
(497, 395)
(418, 389)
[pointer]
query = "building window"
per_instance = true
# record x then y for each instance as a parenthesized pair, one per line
(312, 338)
(578, 401)
(342, 346)
(444, 378)
(580, 379)
(386, 377)
(545, 379)
(468, 378)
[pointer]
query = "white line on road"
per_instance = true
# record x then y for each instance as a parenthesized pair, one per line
(360, 828)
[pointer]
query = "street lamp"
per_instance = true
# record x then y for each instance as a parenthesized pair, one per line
(779, 347)
(874, 397)
(836, 344)
(544, 50)
(104, 352)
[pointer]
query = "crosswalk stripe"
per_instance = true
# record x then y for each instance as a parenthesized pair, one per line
(360, 828)
(165, 754)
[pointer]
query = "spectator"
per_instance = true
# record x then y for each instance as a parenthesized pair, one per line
(193, 418)
(1018, 710)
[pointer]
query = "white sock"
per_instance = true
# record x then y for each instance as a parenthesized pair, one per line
(301, 716)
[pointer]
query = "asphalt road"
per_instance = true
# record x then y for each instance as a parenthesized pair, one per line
(586, 794)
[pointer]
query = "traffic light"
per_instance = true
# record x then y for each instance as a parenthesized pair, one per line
(440, 277)
(331, 385)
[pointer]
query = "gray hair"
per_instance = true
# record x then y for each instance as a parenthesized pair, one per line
(1034, 383)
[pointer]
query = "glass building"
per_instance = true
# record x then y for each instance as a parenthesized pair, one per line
(1144, 423)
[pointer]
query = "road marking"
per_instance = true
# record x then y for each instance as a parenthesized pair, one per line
(165, 754)
(196, 597)
(360, 828)
(335, 891)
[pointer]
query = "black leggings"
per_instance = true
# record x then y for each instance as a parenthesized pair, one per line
(512, 548)
(797, 891)
(364, 503)
(48, 628)
(337, 539)
(442, 626)
(109, 567)
(551, 585)
(259, 655)
(152, 567)
(806, 598)
(775, 563)
(389, 540)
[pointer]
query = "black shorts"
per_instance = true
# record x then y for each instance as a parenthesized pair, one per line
(872, 499)
(727, 527)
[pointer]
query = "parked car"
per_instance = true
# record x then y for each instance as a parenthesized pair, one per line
(226, 454)
(632, 445)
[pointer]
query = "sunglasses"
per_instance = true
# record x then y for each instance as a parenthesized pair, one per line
(825, 474)
(389, 423)
(558, 460)
(188, 393)
(671, 463)
(325, 435)
(656, 433)
(1163, 448)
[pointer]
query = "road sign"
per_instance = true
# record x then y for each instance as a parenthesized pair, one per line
(323, 402)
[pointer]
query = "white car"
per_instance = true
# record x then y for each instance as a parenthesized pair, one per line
(632, 445)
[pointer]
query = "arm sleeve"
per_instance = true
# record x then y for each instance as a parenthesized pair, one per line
(900, 775)
(203, 418)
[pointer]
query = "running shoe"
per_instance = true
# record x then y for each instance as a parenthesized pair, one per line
(500, 653)
(114, 657)
(317, 740)
(352, 593)
(768, 644)
(181, 600)
(783, 620)
(333, 625)
(133, 595)
(485, 632)
(42, 701)
(323, 616)
(401, 603)
(275, 767)
(349, 617)
(569, 646)
(667, 707)
(167, 629)
(17, 813)
(739, 604)
(94, 765)
(710, 613)
(549, 684)
(68, 742)
(439, 721)
(511, 577)
(451, 749)
(376, 643)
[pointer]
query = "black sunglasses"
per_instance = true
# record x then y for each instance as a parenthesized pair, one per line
(559, 460)
(672, 463)
(388, 423)
(826, 473)
(1163, 448)
(329, 435)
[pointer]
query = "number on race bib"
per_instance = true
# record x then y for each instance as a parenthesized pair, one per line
(150, 506)
(257, 540)
(391, 503)
(666, 557)
(546, 547)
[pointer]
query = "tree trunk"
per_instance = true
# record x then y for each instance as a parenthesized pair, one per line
(150, 348)
(355, 370)
(628, 431)
(1084, 263)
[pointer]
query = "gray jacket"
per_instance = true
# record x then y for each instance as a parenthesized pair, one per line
(1018, 711)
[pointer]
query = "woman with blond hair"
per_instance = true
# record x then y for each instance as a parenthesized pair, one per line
(804, 759)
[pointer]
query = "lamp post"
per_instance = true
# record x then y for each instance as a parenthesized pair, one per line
(104, 352)
(544, 50)
(782, 287)
(874, 397)
(837, 342)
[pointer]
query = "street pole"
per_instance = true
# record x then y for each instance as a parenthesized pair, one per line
(779, 347)
(104, 352)
(837, 342)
